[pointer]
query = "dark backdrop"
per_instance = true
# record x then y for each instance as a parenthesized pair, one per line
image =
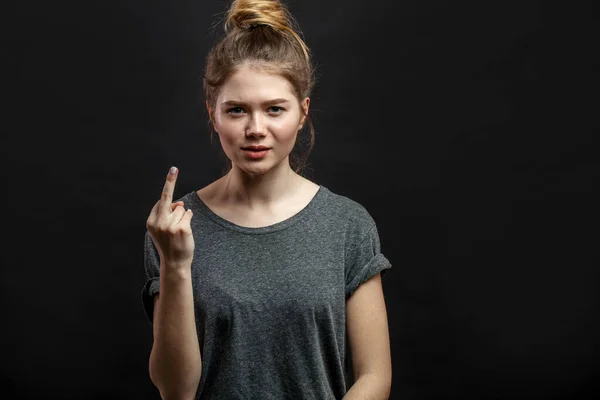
(467, 129)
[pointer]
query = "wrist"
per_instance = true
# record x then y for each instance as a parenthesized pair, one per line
(176, 271)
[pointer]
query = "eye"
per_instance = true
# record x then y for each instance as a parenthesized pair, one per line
(235, 110)
(276, 109)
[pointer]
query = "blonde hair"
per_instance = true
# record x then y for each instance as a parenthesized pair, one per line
(264, 33)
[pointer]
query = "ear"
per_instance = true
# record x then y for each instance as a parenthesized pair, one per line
(210, 115)
(305, 104)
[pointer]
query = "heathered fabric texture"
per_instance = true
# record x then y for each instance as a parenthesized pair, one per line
(270, 301)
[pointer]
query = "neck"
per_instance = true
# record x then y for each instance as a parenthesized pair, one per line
(258, 191)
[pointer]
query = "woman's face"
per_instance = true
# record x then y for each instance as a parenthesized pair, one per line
(257, 108)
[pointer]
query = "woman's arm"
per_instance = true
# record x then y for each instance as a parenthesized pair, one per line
(175, 362)
(368, 334)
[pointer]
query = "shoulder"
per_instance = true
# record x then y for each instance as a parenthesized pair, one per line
(356, 218)
(348, 207)
(187, 198)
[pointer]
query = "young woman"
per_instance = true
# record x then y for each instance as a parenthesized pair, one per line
(263, 284)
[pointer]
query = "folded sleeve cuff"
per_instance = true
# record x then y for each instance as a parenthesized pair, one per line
(379, 263)
(150, 289)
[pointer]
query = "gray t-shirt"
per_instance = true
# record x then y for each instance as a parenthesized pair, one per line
(270, 301)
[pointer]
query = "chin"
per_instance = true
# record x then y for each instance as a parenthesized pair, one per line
(253, 170)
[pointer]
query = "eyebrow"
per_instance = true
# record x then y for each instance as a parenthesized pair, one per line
(237, 102)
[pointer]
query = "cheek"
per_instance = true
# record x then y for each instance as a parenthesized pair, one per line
(287, 127)
(227, 129)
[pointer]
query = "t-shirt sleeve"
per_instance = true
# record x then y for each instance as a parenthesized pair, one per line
(364, 260)
(152, 270)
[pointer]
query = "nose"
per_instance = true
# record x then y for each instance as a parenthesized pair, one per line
(256, 125)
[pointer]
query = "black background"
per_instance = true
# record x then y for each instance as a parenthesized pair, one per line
(467, 129)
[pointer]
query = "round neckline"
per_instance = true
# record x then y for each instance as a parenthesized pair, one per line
(263, 229)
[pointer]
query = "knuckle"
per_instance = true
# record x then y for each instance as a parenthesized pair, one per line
(162, 228)
(150, 221)
(172, 229)
(178, 229)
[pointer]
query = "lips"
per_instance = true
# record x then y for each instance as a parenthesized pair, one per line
(255, 148)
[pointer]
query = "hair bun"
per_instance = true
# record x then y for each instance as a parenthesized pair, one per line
(246, 14)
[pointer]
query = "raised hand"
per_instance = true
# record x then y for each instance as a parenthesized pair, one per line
(169, 227)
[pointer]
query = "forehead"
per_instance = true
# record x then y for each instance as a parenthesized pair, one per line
(252, 84)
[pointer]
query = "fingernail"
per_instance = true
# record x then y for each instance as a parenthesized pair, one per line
(173, 171)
